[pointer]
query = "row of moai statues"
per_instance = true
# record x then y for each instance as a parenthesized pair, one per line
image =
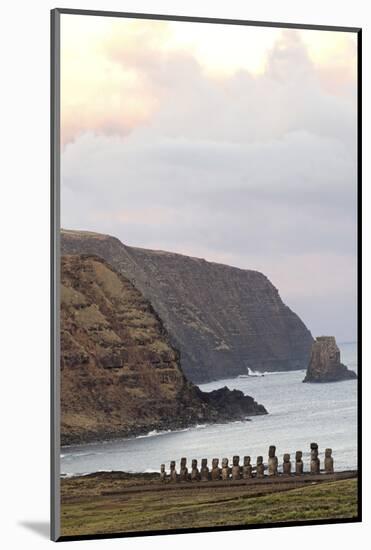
(247, 471)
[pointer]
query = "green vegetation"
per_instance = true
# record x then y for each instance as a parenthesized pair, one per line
(88, 509)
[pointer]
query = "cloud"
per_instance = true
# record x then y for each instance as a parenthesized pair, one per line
(118, 80)
(258, 171)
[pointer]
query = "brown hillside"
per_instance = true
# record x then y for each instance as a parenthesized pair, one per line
(222, 319)
(120, 375)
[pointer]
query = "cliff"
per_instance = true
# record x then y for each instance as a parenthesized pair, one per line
(120, 375)
(221, 318)
(325, 365)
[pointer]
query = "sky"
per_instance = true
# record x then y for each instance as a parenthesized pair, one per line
(231, 143)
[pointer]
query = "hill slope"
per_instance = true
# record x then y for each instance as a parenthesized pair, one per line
(221, 318)
(120, 375)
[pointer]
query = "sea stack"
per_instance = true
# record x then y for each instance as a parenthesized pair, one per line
(324, 364)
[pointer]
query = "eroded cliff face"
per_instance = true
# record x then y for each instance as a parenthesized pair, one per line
(325, 365)
(221, 318)
(120, 375)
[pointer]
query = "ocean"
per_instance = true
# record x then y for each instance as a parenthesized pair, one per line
(298, 415)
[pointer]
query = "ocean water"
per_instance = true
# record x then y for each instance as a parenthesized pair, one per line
(298, 414)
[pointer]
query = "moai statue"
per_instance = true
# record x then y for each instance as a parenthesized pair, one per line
(272, 461)
(259, 467)
(329, 462)
(298, 463)
(314, 460)
(286, 467)
(246, 468)
(162, 473)
(215, 470)
(225, 469)
(204, 470)
(183, 473)
(173, 474)
(236, 470)
(195, 474)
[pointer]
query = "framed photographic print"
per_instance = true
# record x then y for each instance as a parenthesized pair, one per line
(206, 342)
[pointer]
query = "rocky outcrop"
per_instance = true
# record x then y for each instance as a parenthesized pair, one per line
(231, 403)
(325, 365)
(120, 375)
(221, 318)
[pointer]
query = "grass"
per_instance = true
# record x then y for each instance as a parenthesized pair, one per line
(85, 510)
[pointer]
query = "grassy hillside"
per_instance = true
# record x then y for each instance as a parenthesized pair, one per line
(89, 508)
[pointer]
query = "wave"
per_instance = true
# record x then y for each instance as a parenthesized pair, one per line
(153, 433)
(257, 373)
(67, 475)
(156, 433)
(71, 454)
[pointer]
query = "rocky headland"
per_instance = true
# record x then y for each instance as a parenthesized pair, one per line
(120, 374)
(221, 318)
(325, 364)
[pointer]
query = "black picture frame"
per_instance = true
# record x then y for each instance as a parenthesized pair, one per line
(55, 266)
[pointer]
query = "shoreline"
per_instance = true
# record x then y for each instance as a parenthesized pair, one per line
(290, 427)
(153, 432)
(154, 476)
(163, 428)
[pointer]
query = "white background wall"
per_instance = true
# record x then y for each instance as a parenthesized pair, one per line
(24, 272)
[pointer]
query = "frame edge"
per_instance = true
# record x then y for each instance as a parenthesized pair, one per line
(55, 273)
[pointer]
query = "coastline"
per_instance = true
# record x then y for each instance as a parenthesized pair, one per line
(288, 425)
(142, 432)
